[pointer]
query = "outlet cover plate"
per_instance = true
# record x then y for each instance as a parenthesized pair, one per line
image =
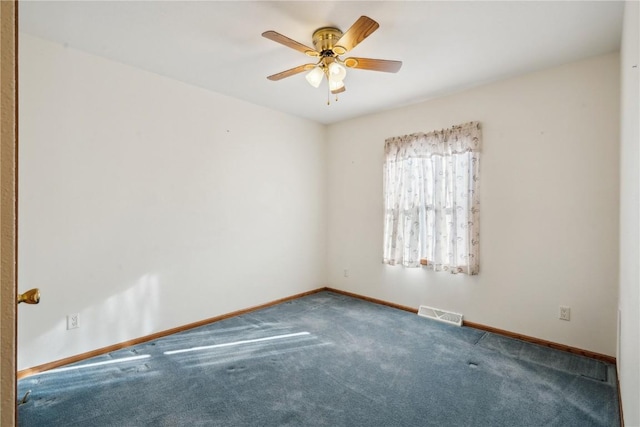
(73, 321)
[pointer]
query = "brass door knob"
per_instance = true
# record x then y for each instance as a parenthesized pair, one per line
(32, 296)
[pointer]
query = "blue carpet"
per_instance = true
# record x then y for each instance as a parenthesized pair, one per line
(326, 360)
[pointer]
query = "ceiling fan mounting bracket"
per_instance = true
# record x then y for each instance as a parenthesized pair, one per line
(325, 38)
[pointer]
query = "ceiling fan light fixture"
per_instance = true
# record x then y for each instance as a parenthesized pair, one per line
(314, 77)
(330, 43)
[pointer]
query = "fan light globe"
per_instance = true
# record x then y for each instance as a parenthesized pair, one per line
(314, 77)
(335, 84)
(337, 71)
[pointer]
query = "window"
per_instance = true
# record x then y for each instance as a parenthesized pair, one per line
(431, 199)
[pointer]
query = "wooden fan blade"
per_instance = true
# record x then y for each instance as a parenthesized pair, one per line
(279, 38)
(359, 31)
(373, 64)
(291, 72)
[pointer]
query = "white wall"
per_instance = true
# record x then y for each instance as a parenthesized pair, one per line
(549, 205)
(628, 356)
(138, 199)
(146, 204)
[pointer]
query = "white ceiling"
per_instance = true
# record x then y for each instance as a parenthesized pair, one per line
(444, 46)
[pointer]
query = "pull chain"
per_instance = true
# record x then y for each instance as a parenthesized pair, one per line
(328, 93)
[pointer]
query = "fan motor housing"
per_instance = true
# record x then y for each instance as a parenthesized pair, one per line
(325, 38)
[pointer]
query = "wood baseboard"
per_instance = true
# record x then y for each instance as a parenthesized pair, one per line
(373, 300)
(79, 357)
(539, 341)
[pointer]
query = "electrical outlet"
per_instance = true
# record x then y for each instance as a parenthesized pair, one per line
(73, 321)
(565, 313)
(346, 272)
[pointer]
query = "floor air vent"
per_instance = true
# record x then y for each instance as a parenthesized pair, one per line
(441, 315)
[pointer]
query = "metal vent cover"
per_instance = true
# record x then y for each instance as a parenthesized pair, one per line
(440, 315)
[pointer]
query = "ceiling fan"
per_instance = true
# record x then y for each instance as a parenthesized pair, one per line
(329, 44)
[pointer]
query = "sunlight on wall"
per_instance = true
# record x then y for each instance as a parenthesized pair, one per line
(127, 314)
(134, 308)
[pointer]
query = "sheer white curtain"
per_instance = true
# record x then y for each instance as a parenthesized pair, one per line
(431, 199)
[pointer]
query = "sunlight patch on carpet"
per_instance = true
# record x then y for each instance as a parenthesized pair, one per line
(91, 365)
(229, 344)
